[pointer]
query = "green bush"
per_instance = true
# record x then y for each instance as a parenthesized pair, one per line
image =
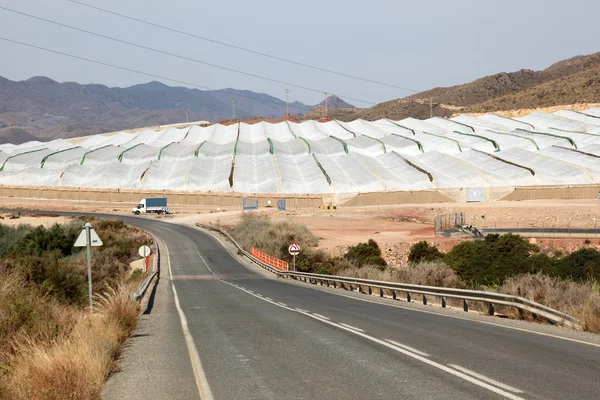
(10, 235)
(366, 254)
(492, 260)
(583, 264)
(423, 252)
(40, 240)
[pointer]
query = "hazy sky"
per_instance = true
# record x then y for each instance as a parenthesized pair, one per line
(414, 44)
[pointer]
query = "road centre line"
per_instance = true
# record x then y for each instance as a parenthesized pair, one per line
(351, 327)
(430, 312)
(199, 375)
(405, 347)
(418, 357)
(320, 316)
(486, 379)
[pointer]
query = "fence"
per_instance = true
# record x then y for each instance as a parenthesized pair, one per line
(366, 286)
(276, 263)
(448, 221)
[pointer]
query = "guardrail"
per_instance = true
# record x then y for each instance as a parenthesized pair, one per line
(138, 294)
(367, 286)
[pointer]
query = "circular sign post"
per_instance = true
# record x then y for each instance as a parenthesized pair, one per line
(294, 250)
(144, 251)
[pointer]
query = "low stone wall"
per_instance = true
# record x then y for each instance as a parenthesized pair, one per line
(553, 193)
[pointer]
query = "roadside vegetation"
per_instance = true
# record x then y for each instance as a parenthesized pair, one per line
(52, 347)
(506, 264)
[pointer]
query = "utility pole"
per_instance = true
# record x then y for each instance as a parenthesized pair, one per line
(233, 109)
(287, 106)
(187, 117)
(326, 98)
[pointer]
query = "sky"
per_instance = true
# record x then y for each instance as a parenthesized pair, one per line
(411, 44)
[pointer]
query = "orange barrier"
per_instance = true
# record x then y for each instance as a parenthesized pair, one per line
(269, 260)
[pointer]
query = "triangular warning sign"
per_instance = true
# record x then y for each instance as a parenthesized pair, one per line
(82, 238)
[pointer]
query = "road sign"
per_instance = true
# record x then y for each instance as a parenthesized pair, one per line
(294, 249)
(144, 251)
(88, 238)
(82, 238)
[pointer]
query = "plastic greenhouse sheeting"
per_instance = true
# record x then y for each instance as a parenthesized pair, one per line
(481, 124)
(307, 130)
(509, 123)
(362, 127)
(167, 175)
(365, 145)
(19, 161)
(222, 134)
(418, 125)
(590, 163)
(541, 140)
(3, 157)
(177, 152)
(196, 135)
(506, 140)
(139, 154)
(301, 174)
(210, 174)
(168, 136)
(333, 128)
(542, 121)
(400, 145)
(591, 149)
(496, 172)
(280, 132)
(395, 173)
(429, 141)
(101, 156)
(592, 111)
(255, 174)
(209, 149)
(449, 125)
(329, 146)
(296, 146)
(591, 122)
(64, 158)
(448, 171)
(113, 175)
(548, 170)
(254, 149)
(349, 175)
(253, 133)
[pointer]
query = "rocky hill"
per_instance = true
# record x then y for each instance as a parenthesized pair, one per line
(42, 108)
(572, 81)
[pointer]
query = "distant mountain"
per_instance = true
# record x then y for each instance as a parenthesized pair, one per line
(333, 102)
(48, 109)
(576, 80)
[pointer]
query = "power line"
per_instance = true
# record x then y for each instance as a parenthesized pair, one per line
(141, 72)
(177, 55)
(243, 48)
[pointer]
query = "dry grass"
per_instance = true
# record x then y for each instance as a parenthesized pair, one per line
(258, 230)
(435, 273)
(77, 367)
(580, 300)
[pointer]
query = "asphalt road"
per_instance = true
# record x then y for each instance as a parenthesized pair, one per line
(248, 336)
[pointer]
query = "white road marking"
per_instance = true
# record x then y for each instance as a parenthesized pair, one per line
(434, 313)
(301, 310)
(199, 375)
(281, 304)
(418, 357)
(351, 327)
(268, 298)
(405, 347)
(486, 379)
(320, 316)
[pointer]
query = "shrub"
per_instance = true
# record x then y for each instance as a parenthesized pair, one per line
(366, 254)
(40, 240)
(273, 238)
(580, 265)
(422, 251)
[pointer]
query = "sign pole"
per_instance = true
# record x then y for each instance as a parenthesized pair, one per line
(294, 263)
(89, 262)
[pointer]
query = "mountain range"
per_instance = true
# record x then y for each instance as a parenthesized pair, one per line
(45, 109)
